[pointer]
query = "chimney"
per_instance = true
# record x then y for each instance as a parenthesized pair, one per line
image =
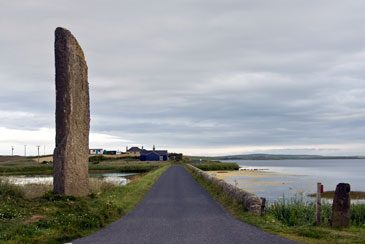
(126, 149)
(142, 147)
(154, 148)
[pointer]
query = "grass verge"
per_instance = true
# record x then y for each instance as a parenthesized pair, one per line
(58, 219)
(288, 220)
(123, 168)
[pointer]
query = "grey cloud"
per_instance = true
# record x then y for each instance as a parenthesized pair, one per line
(195, 73)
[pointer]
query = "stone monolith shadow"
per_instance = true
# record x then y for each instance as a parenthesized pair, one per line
(70, 156)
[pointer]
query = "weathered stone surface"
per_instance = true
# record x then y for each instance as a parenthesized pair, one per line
(341, 206)
(249, 201)
(72, 117)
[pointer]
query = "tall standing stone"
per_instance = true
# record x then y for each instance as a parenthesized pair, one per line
(341, 206)
(70, 156)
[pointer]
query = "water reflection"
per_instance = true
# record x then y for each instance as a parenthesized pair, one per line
(119, 179)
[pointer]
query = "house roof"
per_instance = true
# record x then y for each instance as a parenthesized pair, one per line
(134, 149)
(159, 152)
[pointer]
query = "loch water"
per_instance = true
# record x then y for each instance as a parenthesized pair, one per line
(300, 177)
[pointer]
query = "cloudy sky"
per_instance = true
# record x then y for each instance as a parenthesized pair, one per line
(202, 77)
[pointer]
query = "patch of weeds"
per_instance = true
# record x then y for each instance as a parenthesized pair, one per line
(8, 212)
(312, 233)
(50, 196)
(358, 214)
(10, 190)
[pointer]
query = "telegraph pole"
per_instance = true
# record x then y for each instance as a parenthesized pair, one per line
(12, 151)
(38, 153)
(25, 150)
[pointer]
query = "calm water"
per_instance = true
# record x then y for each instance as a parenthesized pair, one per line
(300, 176)
(115, 178)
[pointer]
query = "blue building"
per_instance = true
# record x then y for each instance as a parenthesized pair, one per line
(154, 155)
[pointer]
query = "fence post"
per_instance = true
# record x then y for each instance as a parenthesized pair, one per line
(263, 205)
(318, 205)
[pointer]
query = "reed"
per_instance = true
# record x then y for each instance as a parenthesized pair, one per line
(356, 195)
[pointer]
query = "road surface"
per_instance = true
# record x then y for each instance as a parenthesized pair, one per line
(178, 210)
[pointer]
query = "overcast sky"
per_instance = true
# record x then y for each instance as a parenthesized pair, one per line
(202, 77)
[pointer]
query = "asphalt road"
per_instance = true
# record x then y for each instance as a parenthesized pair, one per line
(178, 210)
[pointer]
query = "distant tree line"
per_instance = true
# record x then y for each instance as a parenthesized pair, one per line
(176, 156)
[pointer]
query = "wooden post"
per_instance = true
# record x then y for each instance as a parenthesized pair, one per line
(263, 205)
(318, 205)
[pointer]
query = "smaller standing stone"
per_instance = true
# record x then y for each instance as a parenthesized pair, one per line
(341, 206)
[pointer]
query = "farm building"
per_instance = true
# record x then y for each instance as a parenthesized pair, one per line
(96, 151)
(154, 155)
(112, 152)
(135, 151)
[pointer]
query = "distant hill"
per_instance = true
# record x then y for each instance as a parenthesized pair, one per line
(274, 157)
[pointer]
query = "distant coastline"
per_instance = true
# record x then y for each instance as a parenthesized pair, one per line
(273, 157)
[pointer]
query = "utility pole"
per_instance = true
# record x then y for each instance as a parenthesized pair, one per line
(38, 153)
(25, 150)
(44, 150)
(12, 151)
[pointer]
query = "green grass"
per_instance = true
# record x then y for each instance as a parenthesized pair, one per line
(212, 165)
(123, 168)
(59, 219)
(294, 219)
(99, 158)
(22, 165)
